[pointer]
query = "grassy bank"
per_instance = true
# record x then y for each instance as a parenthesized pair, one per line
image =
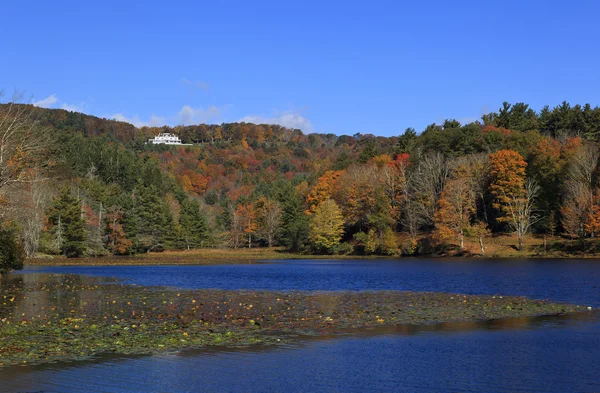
(206, 256)
(46, 318)
(535, 246)
(495, 247)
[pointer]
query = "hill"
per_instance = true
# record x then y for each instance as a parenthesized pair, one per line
(92, 186)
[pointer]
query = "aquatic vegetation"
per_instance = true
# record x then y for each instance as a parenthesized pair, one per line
(45, 318)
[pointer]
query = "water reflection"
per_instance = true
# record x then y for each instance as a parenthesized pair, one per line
(543, 354)
(34, 295)
(550, 354)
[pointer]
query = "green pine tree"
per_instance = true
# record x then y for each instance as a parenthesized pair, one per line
(153, 221)
(68, 225)
(294, 228)
(12, 253)
(194, 228)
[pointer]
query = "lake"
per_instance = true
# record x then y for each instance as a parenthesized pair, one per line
(554, 354)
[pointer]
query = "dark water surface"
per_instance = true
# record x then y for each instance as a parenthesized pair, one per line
(553, 354)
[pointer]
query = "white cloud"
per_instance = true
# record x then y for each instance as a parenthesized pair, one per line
(288, 119)
(196, 84)
(47, 102)
(52, 100)
(71, 108)
(188, 115)
(154, 120)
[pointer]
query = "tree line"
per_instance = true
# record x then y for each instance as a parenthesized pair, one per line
(76, 185)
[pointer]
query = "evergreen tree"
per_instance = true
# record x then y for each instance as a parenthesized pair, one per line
(148, 223)
(369, 151)
(12, 253)
(68, 224)
(294, 228)
(406, 142)
(194, 228)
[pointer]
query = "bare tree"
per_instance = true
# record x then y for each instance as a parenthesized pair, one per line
(398, 183)
(584, 164)
(22, 144)
(22, 141)
(476, 168)
(269, 219)
(31, 214)
(428, 180)
(576, 208)
(579, 201)
(236, 230)
(521, 208)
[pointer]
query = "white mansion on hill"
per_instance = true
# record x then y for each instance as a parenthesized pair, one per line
(165, 139)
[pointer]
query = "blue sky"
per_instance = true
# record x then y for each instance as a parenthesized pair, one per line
(323, 66)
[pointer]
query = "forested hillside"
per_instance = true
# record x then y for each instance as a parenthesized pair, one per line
(76, 185)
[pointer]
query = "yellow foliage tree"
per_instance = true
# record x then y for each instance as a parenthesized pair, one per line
(326, 226)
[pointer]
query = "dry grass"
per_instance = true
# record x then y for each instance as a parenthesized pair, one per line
(499, 246)
(505, 246)
(191, 257)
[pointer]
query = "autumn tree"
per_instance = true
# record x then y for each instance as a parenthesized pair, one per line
(456, 208)
(355, 193)
(117, 243)
(323, 190)
(475, 169)
(545, 165)
(521, 211)
(429, 178)
(404, 201)
(580, 202)
(514, 197)
(32, 201)
(394, 178)
(22, 143)
(480, 231)
(577, 210)
(326, 226)
(268, 212)
(507, 172)
(23, 160)
(245, 220)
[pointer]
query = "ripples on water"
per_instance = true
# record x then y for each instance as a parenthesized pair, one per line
(519, 355)
(476, 360)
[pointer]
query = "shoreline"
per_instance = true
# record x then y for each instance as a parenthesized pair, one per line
(223, 257)
(75, 317)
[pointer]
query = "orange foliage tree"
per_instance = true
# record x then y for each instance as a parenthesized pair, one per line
(117, 242)
(247, 220)
(456, 208)
(322, 191)
(514, 197)
(507, 170)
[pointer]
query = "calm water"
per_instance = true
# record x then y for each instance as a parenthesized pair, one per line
(524, 355)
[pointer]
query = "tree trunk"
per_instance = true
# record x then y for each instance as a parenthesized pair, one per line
(462, 240)
(249, 240)
(481, 245)
(520, 246)
(485, 215)
(545, 244)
